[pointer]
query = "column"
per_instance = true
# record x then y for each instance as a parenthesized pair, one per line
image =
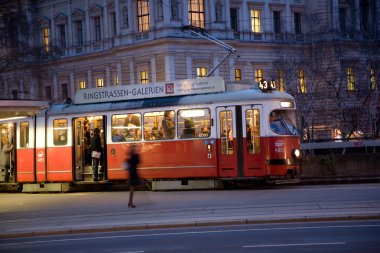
(267, 19)
(89, 79)
(106, 28)
(70, 42)
(245, 16)
(152, 15)
(55, 87)
(118, 19)
(87, 38)
(132, 72)
(108, 76)
(169, 68)
(185, 12)
(227, 14)
(216, 62)
(231, 67)
(154, 69)
(21, 89)
(189, 67)
(335, 15)
(72, 85)
(167, 11)
(288, 18)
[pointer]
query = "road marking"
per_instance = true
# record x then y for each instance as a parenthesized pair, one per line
(133, 252)
(184, 233)
(293, 244)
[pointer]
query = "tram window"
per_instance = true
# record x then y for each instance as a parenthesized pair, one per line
(194, 123)
(24, 134)
(159, 125)
(60, 132)
(153, 129)
(226, 132)
(252, 118)
(126, 127)
(280, 123)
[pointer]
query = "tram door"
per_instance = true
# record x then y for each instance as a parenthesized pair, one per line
(8, 139)
(83, 128)
(252, 151)
(229, 141)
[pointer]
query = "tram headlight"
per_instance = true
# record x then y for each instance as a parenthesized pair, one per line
(296, 153)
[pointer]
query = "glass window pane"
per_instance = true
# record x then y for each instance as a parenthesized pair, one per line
(194, 123)
(253, 131)
(226, 132)
(24, 134)
(168, 124)
(153, 129)
(126, 127)
(60, 132)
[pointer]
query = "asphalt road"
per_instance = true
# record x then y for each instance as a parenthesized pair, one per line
(321, 237)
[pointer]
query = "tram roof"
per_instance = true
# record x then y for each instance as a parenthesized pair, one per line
(211, 98)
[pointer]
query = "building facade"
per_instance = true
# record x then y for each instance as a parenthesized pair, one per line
(325, 53)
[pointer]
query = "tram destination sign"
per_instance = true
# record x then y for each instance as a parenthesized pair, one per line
(151, 90)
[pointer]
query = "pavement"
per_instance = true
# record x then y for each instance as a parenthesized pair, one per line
(23, 214)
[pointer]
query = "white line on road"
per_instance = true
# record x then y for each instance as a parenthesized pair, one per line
(293, 244)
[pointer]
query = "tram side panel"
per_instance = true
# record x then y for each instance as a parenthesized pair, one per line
(59, 150)
(25, 150)
(40, 153)
(166, 159)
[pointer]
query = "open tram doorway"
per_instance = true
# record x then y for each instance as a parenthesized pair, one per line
(8, 172)
(84, 163)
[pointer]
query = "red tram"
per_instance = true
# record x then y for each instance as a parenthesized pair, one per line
(238, 134)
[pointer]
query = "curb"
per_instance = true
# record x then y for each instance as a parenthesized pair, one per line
(194, 224)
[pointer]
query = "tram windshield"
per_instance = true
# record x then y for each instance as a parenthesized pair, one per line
(280, 123)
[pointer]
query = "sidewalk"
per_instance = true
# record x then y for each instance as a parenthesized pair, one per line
(47, 214)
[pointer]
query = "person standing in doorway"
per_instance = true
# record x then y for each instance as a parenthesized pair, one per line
(5, 159)
(96, 152)
(132, 161)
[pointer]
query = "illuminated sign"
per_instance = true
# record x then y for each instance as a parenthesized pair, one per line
(267, 86)
(152, 90)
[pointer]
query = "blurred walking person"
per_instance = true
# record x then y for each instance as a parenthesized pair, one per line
(133, 160)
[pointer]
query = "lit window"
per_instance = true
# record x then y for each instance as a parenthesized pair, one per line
(255, 21)
(237, 74)
(99, 82)
(45, 39)
(259, 74)
(116, 80)
(301, 80)
(143, 15)
(197, 13)
(373, 78)
(24, 135)
(350, 79)
(126, 127)
(194, 123)
(82, 85)
(60, 132)
(144, 76)
(280, 80)
(201, 72)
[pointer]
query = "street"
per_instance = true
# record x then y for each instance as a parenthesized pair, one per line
(341, 236)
